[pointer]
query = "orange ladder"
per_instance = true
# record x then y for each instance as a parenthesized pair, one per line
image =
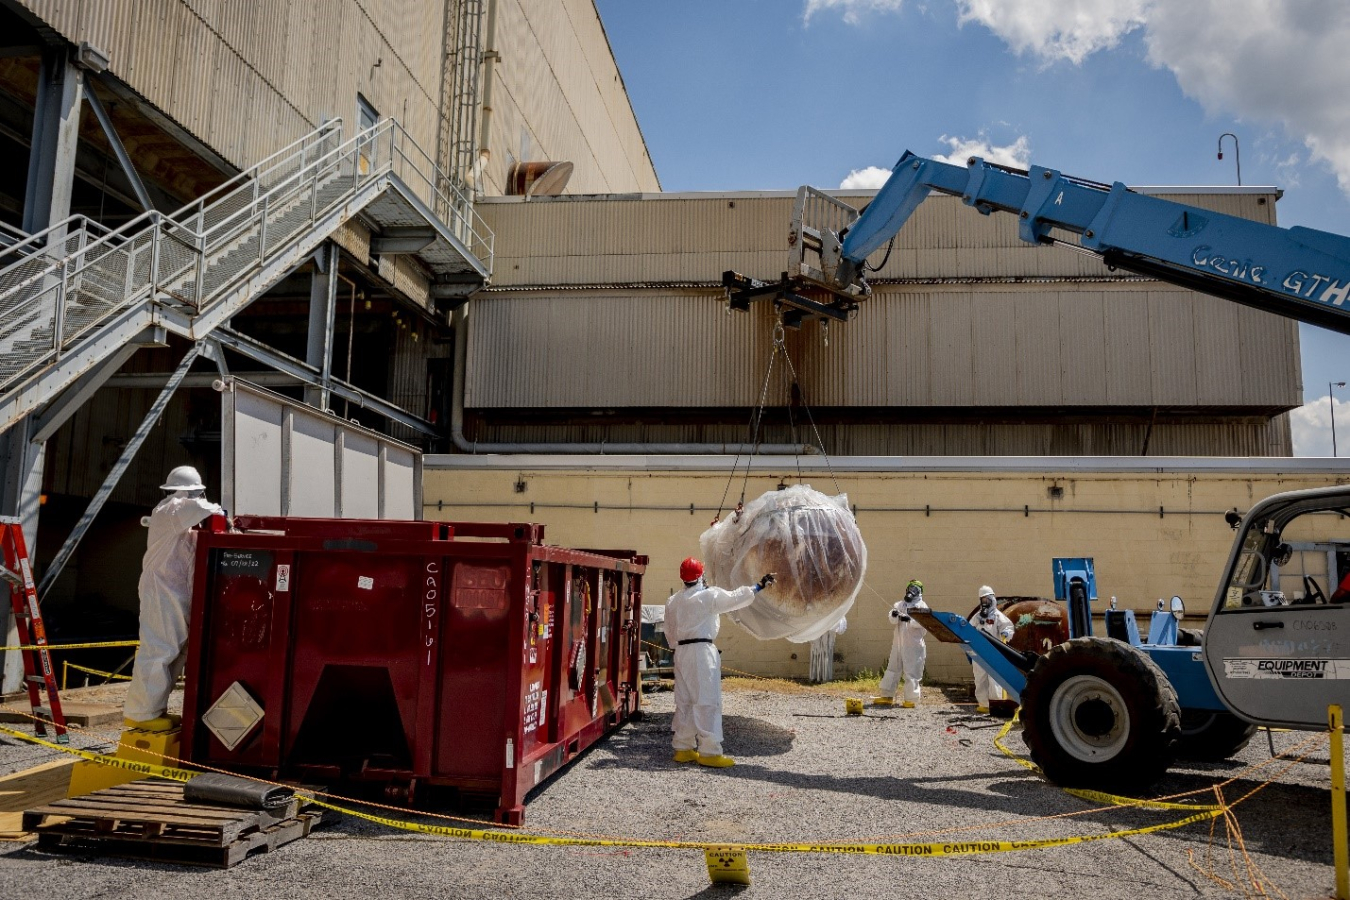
(37, 663)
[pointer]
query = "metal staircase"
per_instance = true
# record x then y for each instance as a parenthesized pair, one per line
(74, 294)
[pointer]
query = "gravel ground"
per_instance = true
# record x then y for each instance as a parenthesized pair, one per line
(804, 773)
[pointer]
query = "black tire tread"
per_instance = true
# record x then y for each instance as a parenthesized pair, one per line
(1150, 749)
(1213, 738)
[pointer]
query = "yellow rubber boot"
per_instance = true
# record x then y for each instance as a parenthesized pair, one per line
(159, 723)
(908, 704)
(719, 761)
(983, 710)
(883, 701)
(683, 756)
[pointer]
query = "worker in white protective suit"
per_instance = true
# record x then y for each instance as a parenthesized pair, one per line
(693, 617)
(909, 652)
(166, 598)
(991, 620)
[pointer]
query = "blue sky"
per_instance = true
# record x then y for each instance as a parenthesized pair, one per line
(771, 94)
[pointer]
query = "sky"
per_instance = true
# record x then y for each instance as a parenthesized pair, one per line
(773, 94)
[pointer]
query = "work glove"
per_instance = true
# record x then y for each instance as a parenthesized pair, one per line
(895, 614)
(765, 581)
(904, 618)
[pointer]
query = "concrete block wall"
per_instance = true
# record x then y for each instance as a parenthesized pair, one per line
(1151, 534)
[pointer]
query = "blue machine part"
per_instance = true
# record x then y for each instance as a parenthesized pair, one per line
(1162, 628)
(1185, 668)
(1296, 272)
(992, 655)
(1121, 625)
(1076, 587)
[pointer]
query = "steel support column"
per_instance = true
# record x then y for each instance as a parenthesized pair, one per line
(322, 316)
(56, 135)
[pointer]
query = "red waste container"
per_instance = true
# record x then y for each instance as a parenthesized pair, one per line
(463, 655)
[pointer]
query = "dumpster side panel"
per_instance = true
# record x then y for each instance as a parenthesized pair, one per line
(354, 677)
(474, 659)
(407, 653)
(243, 624)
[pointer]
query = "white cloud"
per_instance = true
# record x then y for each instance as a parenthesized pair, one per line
(1311, 428)
(851, 10)
(1262, 61)
(1064, 29)
(1016, 154)
(869, 178)
(1280, 61)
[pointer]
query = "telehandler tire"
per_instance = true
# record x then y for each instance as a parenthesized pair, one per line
(1099, 713)
(1211, 736)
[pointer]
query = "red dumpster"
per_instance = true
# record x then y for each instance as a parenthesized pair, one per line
(461, 655)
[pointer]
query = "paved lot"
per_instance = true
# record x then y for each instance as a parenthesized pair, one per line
(805, 773)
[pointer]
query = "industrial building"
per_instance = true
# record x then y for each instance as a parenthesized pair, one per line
(470, 255)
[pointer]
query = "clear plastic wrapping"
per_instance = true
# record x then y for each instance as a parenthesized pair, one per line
(809, 541)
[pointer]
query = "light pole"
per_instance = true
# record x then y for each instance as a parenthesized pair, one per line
(1331, 402)
(1237, 153)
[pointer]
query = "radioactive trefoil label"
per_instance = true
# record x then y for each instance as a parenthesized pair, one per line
(1287, 668)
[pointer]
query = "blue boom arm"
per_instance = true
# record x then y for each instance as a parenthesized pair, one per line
(1300, 273)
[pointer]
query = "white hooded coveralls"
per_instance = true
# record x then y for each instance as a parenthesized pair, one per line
(909, 652)
(693, 614)
(999, 627)
(166, 597)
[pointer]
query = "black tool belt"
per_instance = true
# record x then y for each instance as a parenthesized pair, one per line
(695, 641)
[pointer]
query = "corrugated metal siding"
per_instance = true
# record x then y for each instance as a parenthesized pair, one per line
(547, 242)
(558, 96)
(689, 238)
(247, 78)
(622, 349)
(413, 345)
(1100, 439)
(997, 346)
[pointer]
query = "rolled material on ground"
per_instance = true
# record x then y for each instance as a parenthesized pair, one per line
(227, 790)
(809, 541)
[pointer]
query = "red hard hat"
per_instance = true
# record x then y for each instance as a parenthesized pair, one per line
(691, 570)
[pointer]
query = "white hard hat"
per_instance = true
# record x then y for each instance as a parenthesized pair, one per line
(986, 591)
(183, 478)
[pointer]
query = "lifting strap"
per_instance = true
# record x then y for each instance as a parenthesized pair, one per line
(793, 390)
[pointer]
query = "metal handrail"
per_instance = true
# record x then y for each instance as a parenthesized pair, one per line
(152, 217)
(109, 238)
(258, 169)
(263, 167)
(455, 201)
(18, 233)
(188, 256)
(39, 238)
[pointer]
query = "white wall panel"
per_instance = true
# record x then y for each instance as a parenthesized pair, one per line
(280, 457)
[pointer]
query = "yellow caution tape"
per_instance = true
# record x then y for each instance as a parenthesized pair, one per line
(951, 848)
(114, 675)
(130, 765)
(936, 849)
(1097, 796)
(91, 646)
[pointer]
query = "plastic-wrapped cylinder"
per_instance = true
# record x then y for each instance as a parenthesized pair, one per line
(809, 541)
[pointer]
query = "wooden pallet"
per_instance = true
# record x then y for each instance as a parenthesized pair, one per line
(151, 820)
